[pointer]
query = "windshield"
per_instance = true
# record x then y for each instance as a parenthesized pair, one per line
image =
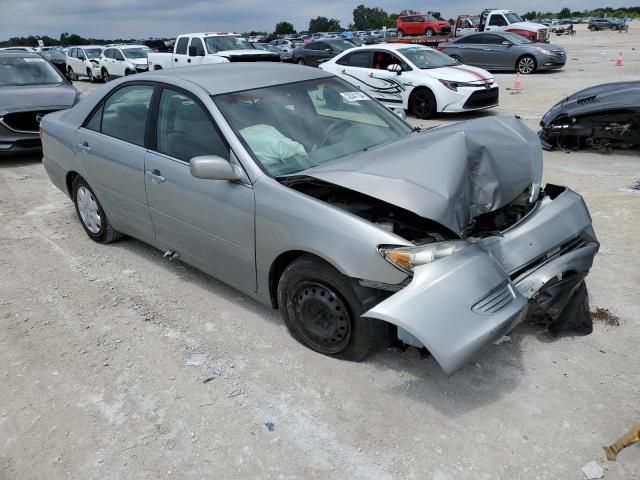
(290, 128)
(220, 44)
(513, 17)
(135, 52)
(425, 58)
(517, 39)
(93, 52)
(27, 71)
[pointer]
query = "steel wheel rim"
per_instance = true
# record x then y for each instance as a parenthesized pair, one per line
(88, 209)
(106, 76)
(428, 33)
(526, 65)
(323, 317)
(421, 104)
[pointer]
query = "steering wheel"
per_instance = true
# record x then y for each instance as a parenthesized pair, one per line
(332, 129)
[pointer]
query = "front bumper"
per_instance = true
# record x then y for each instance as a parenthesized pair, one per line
(471, 98)
(461, 304)
(550, 62)
(12, 143)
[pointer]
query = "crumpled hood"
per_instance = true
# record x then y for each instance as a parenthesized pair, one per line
(625, 95)
(13, 99)
(529, 26)
(461, 73)
(449, 174)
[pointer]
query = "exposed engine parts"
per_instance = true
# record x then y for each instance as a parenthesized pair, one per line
(601, 117)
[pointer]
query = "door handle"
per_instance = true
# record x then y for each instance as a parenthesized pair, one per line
(84, 147)
(175, 59)
(188, 60)
(487, 49)
(156, 176)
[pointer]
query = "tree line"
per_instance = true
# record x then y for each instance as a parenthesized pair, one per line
(628, 12)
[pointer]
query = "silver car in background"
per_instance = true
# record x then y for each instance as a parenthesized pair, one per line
(306, 194)
(505, 51)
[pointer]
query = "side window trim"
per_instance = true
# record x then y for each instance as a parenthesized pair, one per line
(154, 117)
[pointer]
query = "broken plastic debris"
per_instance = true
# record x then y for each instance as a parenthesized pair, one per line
(234, 393)
(592, 470)
(195, 359)
(504, 339)
(629, 438)
(215, 373)
(270, 426)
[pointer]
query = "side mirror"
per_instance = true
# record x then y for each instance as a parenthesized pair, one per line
(507, 43)
(213, 167)
(394, 67)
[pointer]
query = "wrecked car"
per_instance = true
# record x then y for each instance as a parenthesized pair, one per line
(600, 117)
(300, 190)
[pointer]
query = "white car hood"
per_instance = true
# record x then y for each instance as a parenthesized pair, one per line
(139, 61)
(461, 73)
(246, 51)
(529, 26)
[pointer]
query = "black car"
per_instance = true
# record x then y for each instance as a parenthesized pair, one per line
(58, 57)
(315, 53)
(599, 117)
(30, 88)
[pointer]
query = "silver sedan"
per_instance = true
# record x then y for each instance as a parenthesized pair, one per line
(306, 194)
(505, 51)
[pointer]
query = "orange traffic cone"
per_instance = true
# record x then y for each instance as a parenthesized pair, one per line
(619, 60)
(517, 88)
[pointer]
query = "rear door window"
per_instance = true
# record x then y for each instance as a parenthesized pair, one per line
(181, 48)
(197, 43)
(125, 113)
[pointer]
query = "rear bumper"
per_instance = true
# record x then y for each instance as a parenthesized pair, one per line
(461, 304)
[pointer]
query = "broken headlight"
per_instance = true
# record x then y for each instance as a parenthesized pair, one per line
(407, 258)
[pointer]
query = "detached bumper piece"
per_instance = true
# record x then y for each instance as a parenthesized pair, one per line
(461, 304)
(483, 99)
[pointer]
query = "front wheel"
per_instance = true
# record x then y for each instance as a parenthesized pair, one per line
(400, 34)
(105, 75)
(429, 32)
(93, 218)
(322, 310)
(422, 103)
(301, 61)
(71, 74)
(526, 65)
(90, 75)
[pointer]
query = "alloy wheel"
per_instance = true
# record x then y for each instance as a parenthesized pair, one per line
(526, 65)
(88, 209)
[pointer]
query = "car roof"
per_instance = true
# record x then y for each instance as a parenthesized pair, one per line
(235, 77)
(19, 53)
(391, 46)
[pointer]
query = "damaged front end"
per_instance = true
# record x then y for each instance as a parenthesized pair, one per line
(601, 117)
(482, 244)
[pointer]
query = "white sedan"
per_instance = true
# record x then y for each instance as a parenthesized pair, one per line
(416, 78)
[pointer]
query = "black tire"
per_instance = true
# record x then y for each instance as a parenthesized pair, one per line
(592, 28)
(105, 75)
(576, 316)
(429, 32)
(90, 75)
(400, 34)
(300, 61)
(128, 72)
(526, 65)
(422, 103)
(105, 233)
(322, 311)
(72, 74)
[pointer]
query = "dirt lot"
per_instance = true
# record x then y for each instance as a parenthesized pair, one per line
(94, 341)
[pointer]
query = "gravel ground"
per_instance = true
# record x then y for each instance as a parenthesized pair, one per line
(94, 342)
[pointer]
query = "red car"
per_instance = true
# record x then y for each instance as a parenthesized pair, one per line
(421, 24)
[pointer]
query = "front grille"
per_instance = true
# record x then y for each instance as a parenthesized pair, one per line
(483, 98)
(254, 58)
(24, 122)
(543, 34)
(496, 301)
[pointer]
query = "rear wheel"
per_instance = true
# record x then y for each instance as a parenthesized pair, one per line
(422, 103)
(429, 32)
(72, 74)
(526, 64)
(93, 218)
(301, 61)
(322, 310)
(400, 33)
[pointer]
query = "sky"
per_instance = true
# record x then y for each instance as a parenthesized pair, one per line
(167, 18)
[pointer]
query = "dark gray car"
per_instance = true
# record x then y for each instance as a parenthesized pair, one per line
(505, 51)
(314, 53)
(30, 88)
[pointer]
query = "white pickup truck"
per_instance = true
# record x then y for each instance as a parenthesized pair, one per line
(507, 20)
(206, 48)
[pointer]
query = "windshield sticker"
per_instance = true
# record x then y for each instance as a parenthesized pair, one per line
(354, 96)
(33, 60)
